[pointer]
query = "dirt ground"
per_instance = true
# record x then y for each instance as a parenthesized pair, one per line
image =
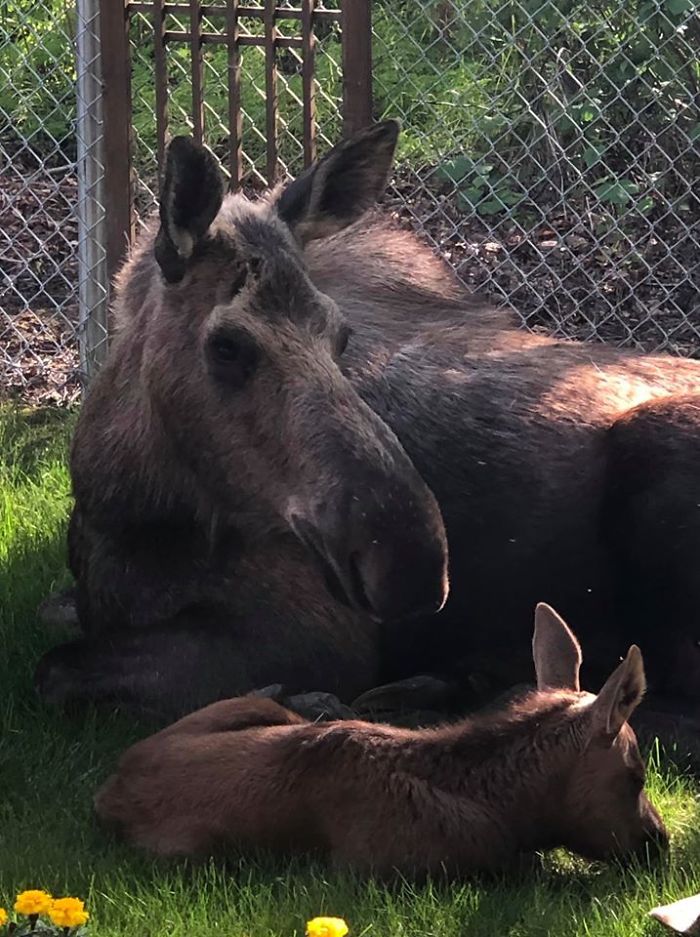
(39, 275)
(640, 288)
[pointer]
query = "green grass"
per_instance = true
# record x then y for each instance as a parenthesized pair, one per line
(50, 766)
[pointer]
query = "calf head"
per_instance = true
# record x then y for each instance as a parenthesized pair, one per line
(603, 809)
(247, 374)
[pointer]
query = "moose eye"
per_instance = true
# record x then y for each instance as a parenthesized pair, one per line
(342, 340)
(225, 349)
(232, 356)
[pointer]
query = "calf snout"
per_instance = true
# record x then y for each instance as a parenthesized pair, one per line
(656, 840)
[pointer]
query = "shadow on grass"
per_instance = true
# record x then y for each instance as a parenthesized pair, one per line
(31, 437)
(48, 764)
(34, 506)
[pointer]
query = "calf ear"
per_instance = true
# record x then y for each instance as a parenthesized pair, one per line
(190, 199)
(621, 694)
(555, 651)
(335, 191)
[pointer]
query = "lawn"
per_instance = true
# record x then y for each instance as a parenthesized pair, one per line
(50, 766)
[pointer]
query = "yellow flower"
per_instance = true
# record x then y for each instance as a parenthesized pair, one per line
(68, 912)
(33, 902)
(3, 917)
(326, 927)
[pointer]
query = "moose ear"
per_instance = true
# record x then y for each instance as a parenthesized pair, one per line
(620, 696)
(555, 651)
(335, 191)
(190, 199)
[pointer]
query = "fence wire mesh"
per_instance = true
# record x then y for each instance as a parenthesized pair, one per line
(549, 152)
(38, 200)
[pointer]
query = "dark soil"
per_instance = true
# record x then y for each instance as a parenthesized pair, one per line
(570, 275)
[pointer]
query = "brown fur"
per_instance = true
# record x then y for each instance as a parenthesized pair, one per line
(559, 469)
(557, 768)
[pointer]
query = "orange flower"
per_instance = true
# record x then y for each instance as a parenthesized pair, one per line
(33, 902)
(326, 927)
(68, 912)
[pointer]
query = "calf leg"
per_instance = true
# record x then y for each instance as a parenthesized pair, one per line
(234, 715)
(651, 520)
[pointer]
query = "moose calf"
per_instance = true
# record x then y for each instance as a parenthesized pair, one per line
(559, 767)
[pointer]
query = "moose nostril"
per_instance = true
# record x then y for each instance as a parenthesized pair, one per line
(357, 583)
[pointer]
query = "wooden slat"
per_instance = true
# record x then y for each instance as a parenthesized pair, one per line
(357, 65)
(161, 78)
(282, 42)
(235, 121)
(116, 68)
(213, 10)
(307, 80)
(197, 70)
(271, 90)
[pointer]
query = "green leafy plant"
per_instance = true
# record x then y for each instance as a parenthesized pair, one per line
(479, 186)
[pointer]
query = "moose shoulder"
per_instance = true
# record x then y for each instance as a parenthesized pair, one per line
(302, 408)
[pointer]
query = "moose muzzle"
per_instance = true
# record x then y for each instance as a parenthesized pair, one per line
(382, 546)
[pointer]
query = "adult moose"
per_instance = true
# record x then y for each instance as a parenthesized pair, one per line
(291, 393)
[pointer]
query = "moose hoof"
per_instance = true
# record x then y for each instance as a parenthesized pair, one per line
(275, 692)
(319, 707)
(422, 692)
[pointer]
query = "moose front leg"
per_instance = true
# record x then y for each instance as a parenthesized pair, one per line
(201, 656)
(160, 673)
(141, 575)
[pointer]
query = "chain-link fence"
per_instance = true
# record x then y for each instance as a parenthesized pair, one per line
(549, 151)
(551, 154)
(39, 194)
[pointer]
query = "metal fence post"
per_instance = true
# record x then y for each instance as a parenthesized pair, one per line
(93, 280)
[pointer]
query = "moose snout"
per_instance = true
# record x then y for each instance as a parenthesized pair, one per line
(399, 563)
(384, 550)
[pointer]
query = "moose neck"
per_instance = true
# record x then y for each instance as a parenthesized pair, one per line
(516, 765)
